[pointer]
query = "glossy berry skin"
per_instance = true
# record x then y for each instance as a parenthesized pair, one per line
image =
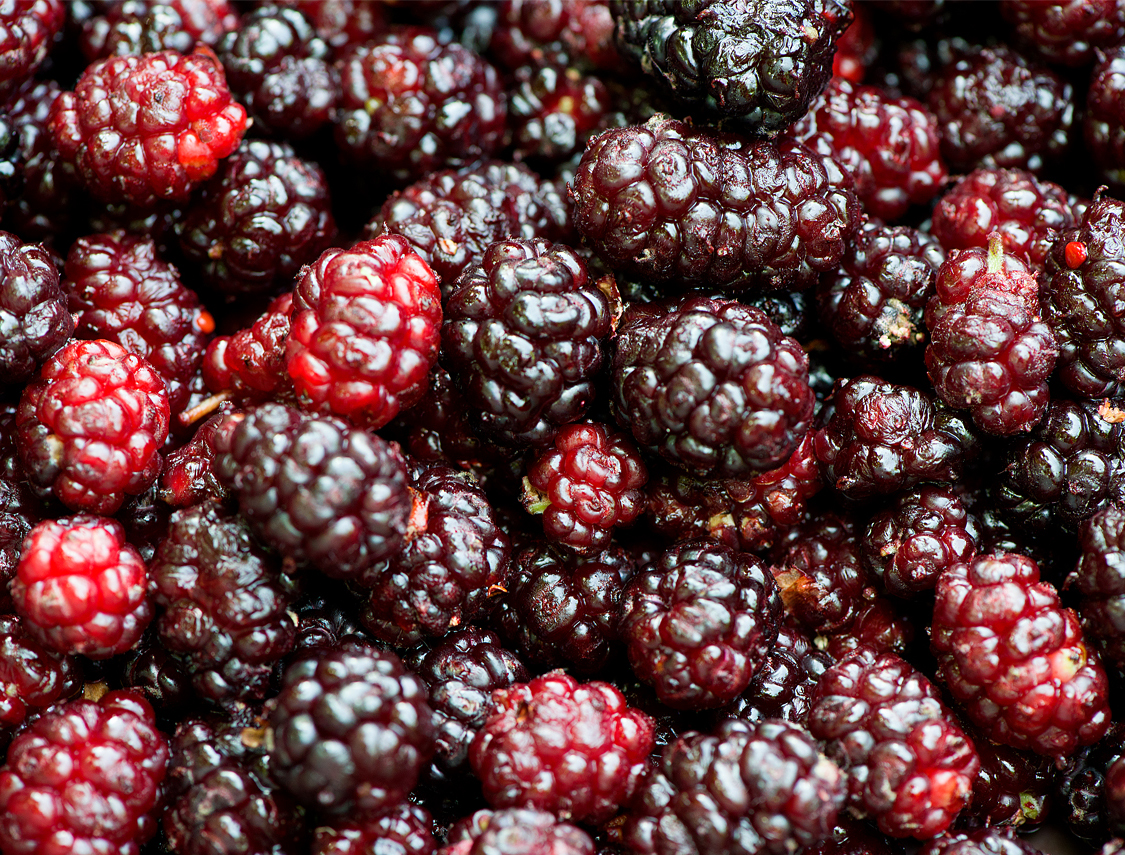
(884, 437)
(671, 204)
(911, 543)
(746, 788)
(364, 331)
(1100, 580)
(90, 428)
(1083, 304)
(149, 127)
(454, 560)
(535, 32)
(986, 841)
(910, 767)
(224, 604)
(84, 777)
(121, 291)
(1103, 124)
(410, 105)
(727, 57)
(351, 730)
(1042, 690)
(316, 490)
(1081, 789)
(80, 588)
(1013, 789)
(699, 622)
(1026, 211)
(405, 828)
(517, 831)
(587, 483)
(462, 672)
(783, 686)
(189, 471)
(710, 385)
(32, 676)
(265, 213)
(996, 109)
(1066, 32)
(522, 340)
(874, 303)
(576, 749)
(141, 26)
(890, 146)
(554, 111)
(250, 364)
(34, 321)
(27, 34)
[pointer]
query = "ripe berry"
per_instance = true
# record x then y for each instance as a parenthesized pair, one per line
(250, 364)
(405, 828)
(1100, 578)
(189, 472)
(517, 831)
(27, 34)
(32, 676)
(142, 26)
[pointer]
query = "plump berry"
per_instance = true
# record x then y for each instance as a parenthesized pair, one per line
(909, 544)
(148, 127)
(405, 828)
(342, 23)
(554, 110)
(264, 214)
(889, 145)
(142, 26)
(538, 32)
(996, 109)
(572, 748)
(249, 365)
(90, 428)
(281, 70)
(34, 321)
(409, 105)
(783, 686)
(986, 841)
(910, 767)
(1081, 788)
(351, 730)
(522, 340)
(883, 437)
(1015, 659)
(121, 291)
(758, 65)
(32, 676)
(1100, 579)
(189, 472)
(672, 204)
(873, 304)
(1063, 31)
(561, 609)
(1080, 293)
(1012, 789)
(316, 490)
(711, 385)
(699, 622)
(27, 33)
(364, 331)
(748, 788)
(517, 831)
(106, 756)
(1026, 211)
(454, 560)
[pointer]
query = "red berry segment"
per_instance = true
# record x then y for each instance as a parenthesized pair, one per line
(575, 749)
(27, 32)
(910, 767)
(365, 330)
(1015, 658)
(1100, 578)
(32, 676)
(250, 365)
(91, 427)
(149, 127)
(34, 321)
(517, 831)
(107, 757)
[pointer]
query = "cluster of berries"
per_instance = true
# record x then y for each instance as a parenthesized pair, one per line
(559, 427)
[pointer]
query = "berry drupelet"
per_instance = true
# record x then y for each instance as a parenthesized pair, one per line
(873, 304)
(517, 831)
(996, 109)
(32, 676)
(577, 34)
(462, 672)
(910, 767)
(1080, 293)
(756, 65)
(84, 777)
(711, 385)
(34, 321)
(783, 686)
(189, 471)
(28, 31)
(350, 730)
(224, 604)
(364, 331)
(264, 214)
(1015, 659)
(575, 749)
(454, 560)
(149, 127)
(278, 66)
(522, 340)
(405, 828)
(409, 104)
(588, 482)
(746, 788)
(1100, 579)
(699, 622)
(80, 588)
(119, 290)
(554, 110)
(1013, 788)
(1065, 32)
(249, 365)
(1080, 788)
(143, 26)
(883, 437)
(561, 609)
(1103, 124)
(672, 204)
(316, 490)
(90, 428)
(986, 841)
(888, 145)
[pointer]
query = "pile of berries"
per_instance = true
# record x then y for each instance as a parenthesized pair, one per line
(559, 427)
